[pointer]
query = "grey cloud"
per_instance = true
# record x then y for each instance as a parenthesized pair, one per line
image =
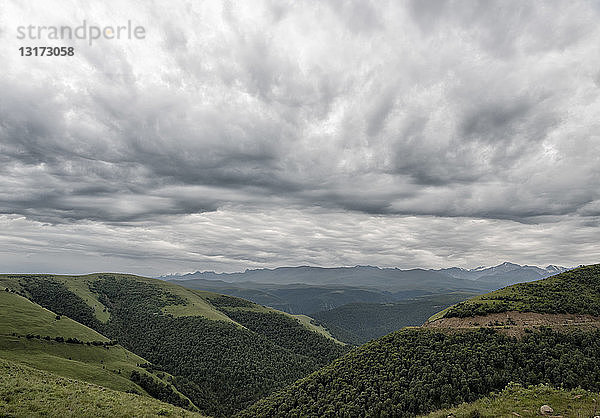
(255, 238)
(443, 109)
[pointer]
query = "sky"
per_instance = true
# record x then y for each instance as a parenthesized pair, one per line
(242, 134)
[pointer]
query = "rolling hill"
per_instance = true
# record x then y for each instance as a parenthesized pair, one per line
(28, 392)
(572, 292)
(37, 337)
(221, 352)
(420, 370)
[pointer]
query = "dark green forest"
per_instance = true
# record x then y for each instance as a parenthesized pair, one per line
(415, 371)
(220, 366)
(288, 334)
(575, 292)
(55, 296)
(357, 323)
(159, 390)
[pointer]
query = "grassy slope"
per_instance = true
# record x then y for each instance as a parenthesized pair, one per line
(526, 402)
(109, 367)
(27, 392)
(92, 364)
(304, 320)
(197, 300)
(21, 316)
(307, 321)
(197, 304)
(576, 291)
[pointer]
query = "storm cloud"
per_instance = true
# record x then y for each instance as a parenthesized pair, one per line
(461, 125)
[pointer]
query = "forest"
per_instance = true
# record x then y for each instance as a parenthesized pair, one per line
(221, 367)
(415, 371)
(574, 292)
(285, 331)
(357, 323)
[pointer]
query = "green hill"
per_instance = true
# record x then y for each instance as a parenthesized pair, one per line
(39, 338)
(21, 316)
(228, 355)
(420, 370)
(28, 392)
(516, 400)
(415, 371)
(573, 292)
(223, 353)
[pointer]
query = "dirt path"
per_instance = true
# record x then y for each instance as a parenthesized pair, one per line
(515, 322)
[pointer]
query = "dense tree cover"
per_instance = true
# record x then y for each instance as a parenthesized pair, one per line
(55, 296)
(414, 371)
(576, 292)
(220, 366)
(159, 390)
(228, 301)
(357, 323)
(288, 333)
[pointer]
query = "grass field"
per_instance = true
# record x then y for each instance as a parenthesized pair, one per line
(27, 392)
(106, 366)
(515, 401)
(21, 316)
(307, 321)
(109, 367)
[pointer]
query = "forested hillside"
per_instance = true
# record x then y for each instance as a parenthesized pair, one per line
(575, 292)
(34, 336)
(415, 371)
(357, 323)
(221, 356)
(419, 370)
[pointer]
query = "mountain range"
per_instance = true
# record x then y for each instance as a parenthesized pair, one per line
(547, 332)
(392, 279)
(306, 289)
(106, 344)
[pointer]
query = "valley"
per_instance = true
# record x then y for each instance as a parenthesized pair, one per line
(162, 346)
(198, 349)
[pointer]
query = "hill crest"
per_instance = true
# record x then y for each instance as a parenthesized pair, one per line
(570, 298)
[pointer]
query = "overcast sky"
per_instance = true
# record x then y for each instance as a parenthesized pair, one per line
(260, 134)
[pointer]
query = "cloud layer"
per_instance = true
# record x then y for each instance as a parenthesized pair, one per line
(463, 122)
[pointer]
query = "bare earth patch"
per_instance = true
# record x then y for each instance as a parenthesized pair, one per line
(515, 322)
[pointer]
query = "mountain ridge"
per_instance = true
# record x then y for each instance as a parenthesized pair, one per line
(308, 290)
(287, 274)
(221, 352)
(418, 370)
